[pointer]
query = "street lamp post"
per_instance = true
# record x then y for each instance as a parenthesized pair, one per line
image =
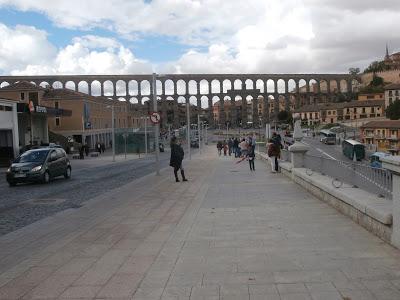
(188, 128)
(157, 126)
(112, 130)
(198, 132)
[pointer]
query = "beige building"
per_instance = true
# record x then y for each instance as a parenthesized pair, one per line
(392, 93)
(358, 112)
(91, 119)
(384, 134)
(371, 96)
(32, 111)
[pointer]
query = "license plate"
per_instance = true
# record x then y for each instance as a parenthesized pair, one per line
(19, 175)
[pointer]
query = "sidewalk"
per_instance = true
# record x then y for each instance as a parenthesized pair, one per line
(225, 234)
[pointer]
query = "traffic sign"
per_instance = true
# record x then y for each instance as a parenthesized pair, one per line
(155, 117)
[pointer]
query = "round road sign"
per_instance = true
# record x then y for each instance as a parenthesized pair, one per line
(155, 117)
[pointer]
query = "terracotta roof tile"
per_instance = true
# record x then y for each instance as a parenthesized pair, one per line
(22, 86)
(392, 124)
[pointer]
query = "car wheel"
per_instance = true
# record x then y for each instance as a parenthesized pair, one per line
(67, 173)
(46, 177)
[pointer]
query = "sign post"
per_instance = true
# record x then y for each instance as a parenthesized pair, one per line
(155, 116)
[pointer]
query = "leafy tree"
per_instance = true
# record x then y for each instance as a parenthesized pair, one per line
(354, 71)
(376, 66)
(393, 110)
(283, 115)
(377, 81)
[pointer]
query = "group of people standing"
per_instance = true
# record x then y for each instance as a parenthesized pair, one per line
(243, 148)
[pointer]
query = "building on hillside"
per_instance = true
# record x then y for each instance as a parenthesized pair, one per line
(9, 137)
(371, 96)
(32, 112)
(91, 119)
(329, 113)
(392, 93)
(392, 62)
(384, 134)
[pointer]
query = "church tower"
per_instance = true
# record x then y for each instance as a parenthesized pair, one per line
(387, 52)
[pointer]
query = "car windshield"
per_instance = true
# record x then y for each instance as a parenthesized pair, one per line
(33, 156)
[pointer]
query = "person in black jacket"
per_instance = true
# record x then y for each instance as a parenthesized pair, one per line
(177, 155)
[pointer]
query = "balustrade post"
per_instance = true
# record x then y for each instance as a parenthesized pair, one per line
(393, 164)
(298, 150)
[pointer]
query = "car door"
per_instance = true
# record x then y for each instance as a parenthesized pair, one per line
(62, 160)
(52, 164)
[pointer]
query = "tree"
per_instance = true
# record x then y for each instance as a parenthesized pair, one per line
(376, 66)
(393, 110)
(354, 71)
(283, 116)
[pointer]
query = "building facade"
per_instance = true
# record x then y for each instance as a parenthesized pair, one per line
(385, 135)
(32, 112)
(91, 118)
(355, 112)
(392, 93)
(9, 134)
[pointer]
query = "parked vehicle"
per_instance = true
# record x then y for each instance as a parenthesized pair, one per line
(327, 137)
(351, 148)
(375, 159)
(39, 165)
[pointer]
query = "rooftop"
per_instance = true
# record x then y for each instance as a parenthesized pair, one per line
(392, 86)
(22, 86)
(392, 124)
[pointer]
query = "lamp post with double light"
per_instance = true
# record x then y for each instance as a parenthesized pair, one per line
(113, 130)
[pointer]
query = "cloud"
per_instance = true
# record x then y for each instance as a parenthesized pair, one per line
(254, 36)
(23, 45)
(26, 51)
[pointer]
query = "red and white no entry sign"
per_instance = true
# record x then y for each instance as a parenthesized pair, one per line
(155, 117)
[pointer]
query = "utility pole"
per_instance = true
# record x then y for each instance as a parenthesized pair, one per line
(157, 126)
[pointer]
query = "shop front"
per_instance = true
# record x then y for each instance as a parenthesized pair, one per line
(8, 131)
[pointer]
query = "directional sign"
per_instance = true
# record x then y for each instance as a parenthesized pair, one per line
(155, 117)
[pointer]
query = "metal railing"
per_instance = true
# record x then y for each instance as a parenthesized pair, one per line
(374, 180)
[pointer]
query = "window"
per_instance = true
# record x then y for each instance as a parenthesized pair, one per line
(22, 96)
(56, 105)
(390, 93)
(348, 110)
(57, 121)
(372, 109)
(355, 110)
(397, 93)
(8, 108)
(363, 110)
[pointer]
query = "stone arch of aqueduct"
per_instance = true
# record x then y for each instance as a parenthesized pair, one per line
(204, 90)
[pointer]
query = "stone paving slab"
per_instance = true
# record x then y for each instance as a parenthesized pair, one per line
(228, 233)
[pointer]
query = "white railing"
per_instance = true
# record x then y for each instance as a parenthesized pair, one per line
(374, 180)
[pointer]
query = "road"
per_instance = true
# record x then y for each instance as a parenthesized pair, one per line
(31, 202)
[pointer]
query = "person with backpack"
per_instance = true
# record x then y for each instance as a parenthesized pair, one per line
(177, 155)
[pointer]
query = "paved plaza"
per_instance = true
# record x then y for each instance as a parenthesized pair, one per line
(226, 234)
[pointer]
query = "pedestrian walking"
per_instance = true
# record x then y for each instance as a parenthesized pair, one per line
(251, 157)
(273, 153)
(236, 147)
(86, 149)
(98, 147)
(219, 147)
(177, 155)
(225, 147)
(81, 156)
(230, 146)
(243, 148)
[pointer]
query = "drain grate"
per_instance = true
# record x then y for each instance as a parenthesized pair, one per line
(47, 201)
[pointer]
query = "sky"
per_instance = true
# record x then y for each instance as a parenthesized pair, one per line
(46, 37)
